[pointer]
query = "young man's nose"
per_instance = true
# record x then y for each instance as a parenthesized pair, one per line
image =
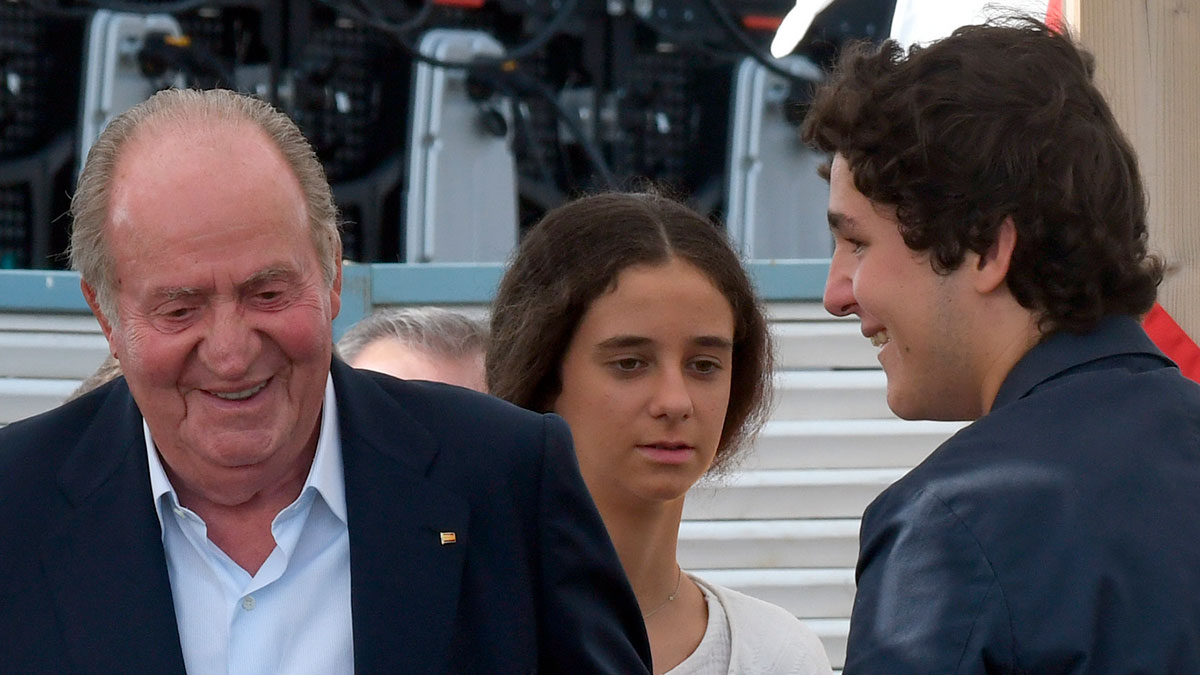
(839, 287)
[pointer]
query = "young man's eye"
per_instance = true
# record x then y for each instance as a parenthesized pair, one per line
(855, 246)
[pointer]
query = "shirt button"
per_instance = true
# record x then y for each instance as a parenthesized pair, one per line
(248, 603)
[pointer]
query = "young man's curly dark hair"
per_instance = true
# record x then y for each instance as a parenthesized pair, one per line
(999, 121)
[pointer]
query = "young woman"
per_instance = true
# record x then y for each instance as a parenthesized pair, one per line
(630, 316)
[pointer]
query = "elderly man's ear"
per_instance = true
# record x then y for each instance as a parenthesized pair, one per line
(335, 291)
(89, 295)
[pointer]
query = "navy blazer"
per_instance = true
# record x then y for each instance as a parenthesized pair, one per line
(532, 583)
(1060, 533)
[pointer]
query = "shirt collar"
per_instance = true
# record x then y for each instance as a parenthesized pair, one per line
(1063, 351)
(325, 476)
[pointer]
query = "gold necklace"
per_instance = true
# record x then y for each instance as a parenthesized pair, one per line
(678, 578)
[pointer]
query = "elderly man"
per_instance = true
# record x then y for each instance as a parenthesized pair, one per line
(990, 235)
(238, 504)
(419, 343)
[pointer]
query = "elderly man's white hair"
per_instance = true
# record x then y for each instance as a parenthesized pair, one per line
(189, 109)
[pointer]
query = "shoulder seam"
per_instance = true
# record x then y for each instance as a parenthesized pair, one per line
(995, 581)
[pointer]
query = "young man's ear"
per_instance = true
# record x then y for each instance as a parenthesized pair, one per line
(994, 262)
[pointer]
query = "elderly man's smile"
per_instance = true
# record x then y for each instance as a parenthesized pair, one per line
(240, 395)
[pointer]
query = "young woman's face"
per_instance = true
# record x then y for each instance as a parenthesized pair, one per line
(645, 383)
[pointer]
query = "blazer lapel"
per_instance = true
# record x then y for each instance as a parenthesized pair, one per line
(106, 564)
(408, 537)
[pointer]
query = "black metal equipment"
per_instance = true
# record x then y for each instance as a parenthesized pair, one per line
(589, 95)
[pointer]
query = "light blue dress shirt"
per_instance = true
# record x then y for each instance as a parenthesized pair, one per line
(293, 615)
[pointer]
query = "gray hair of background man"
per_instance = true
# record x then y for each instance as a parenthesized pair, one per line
(188, 109)
(433, 330)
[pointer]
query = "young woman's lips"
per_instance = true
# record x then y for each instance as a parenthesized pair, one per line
(668, 453)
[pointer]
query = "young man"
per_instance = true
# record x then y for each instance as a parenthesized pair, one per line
(990, 231)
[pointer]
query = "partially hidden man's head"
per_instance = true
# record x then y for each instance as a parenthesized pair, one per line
(998, 122)
(207, 241)
(419, 343)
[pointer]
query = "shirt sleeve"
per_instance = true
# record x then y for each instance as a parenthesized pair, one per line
(928, 600)
(590, 621)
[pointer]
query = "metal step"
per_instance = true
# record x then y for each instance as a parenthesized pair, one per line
(48, 322)
(833, 634)
(831, 394)
(748, 544)
(822, 344)
(806, 593)
(834, 444)
(24, 397)
(803, 493)
(37, 354)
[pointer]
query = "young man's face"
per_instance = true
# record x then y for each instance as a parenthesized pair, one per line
(916, 316)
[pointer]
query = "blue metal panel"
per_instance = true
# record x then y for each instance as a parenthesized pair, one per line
(41, 291)
(475, 283)
(356, 297)
(434, 283)
(789, 280)
(367, 286)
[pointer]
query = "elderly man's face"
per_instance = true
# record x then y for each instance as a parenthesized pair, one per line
(224, 318)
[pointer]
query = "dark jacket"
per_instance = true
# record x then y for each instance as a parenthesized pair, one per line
(1060, 533)
(532, 583)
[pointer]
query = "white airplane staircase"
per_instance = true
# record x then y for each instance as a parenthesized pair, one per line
(782, 526)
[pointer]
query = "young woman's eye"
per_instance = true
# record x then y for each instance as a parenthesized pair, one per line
(706, 366)
(628, 364)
